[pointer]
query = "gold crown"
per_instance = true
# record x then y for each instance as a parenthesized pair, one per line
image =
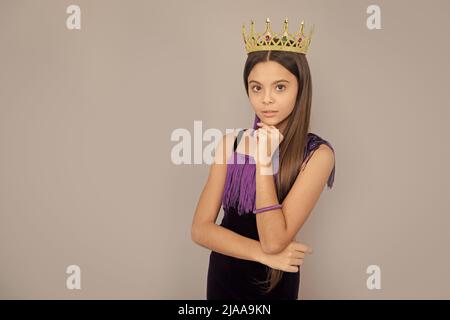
(270, 40)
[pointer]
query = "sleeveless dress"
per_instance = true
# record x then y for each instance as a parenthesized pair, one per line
(236, 279)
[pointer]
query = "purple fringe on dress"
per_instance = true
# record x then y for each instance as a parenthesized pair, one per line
(240, 184)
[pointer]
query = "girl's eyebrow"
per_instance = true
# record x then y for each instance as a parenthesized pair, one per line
(281, 80)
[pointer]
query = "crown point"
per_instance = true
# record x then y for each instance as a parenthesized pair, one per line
(302, 27)
(298, 42)
(285, 27)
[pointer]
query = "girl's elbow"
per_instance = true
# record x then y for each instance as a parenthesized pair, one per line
(198, 232)
(195, 234)
(271, 247)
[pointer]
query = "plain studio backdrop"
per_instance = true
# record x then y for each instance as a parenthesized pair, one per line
(86, 117)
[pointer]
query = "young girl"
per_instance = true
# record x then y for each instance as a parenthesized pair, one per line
(267, 179)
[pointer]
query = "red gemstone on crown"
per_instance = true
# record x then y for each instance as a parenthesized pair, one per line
(267, 37)
(299, 40)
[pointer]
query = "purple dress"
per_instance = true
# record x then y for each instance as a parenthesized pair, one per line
(233, 278)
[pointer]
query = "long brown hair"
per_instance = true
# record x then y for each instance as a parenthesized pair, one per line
(296, 130)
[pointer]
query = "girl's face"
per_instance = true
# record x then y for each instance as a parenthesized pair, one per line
(272, 87)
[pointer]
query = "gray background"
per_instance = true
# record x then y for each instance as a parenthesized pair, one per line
(86, 115)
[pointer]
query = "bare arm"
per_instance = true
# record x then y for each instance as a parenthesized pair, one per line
(227, 242)
(204, 231)
(278, 227)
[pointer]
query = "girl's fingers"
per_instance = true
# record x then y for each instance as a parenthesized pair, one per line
(292, 269)
(262, 131)
(303, 247)
(298, 254)
(296, 262)
(269, 132)
(271, 129)
(263, 125)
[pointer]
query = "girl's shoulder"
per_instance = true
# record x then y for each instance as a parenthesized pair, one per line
(314, 141)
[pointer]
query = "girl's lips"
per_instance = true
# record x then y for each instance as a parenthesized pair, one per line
(269, 114)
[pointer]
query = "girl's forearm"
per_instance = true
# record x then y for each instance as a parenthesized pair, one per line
(227, 242)
(272, 225)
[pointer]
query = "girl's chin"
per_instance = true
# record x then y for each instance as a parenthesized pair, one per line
(270, 120)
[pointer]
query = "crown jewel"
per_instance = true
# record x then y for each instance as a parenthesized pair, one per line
(270, 40)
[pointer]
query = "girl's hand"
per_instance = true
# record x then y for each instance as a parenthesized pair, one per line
(289, 259)
(268, 138)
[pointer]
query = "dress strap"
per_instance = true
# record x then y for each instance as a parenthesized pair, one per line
(238, 138)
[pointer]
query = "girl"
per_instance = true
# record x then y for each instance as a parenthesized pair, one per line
(267, 179)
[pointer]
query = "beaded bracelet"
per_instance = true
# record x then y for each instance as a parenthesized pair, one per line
(275, 206)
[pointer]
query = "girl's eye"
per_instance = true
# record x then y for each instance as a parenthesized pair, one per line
(253, 88)
(257, 88)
